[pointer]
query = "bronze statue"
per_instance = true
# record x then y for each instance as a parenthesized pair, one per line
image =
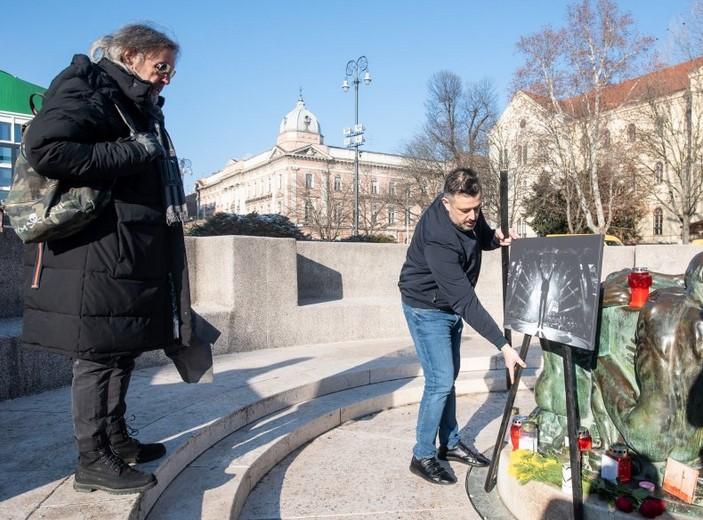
(645, 387)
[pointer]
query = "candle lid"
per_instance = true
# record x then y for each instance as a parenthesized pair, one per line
(618, 449)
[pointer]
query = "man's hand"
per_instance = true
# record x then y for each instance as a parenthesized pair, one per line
(511, 358)
(506, 241)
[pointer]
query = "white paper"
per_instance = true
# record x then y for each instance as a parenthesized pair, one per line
(608, 468)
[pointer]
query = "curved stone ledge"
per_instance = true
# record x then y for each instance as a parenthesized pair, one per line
(284, 432)
(190, 419)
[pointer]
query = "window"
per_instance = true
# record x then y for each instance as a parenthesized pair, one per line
(374, 186)
(523, 123)
(524, 154)
(606, 138)
(18, 133)
(407, 217)
(658, 172)
(269, 179)
(308, 212)
(391, 216)
(658, 221)
(337, 183)
(392, 189)
(5, 154)
(522, 228)
(308, 181)
(5, 131)
(631, 132)
(5, 177)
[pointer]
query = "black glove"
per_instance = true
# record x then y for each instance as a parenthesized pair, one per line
(150, 142)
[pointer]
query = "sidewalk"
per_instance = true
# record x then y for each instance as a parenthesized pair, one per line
(37, 455)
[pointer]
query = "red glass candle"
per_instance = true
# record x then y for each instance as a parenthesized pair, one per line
(619, 452)
(515, 432)
(624, 468)
(639, 280)
(585, 442)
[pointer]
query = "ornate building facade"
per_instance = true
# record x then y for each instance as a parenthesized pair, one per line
(313, 184)
(651, 126)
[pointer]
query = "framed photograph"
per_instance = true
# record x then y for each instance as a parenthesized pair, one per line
(553, 288)
(680, 480)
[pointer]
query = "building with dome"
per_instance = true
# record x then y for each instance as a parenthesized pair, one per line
(313, 184)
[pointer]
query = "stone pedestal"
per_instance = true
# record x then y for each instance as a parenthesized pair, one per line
(547, 502)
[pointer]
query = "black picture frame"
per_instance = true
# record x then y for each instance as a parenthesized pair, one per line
(553, 289)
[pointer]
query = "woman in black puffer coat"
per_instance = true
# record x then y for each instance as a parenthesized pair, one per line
(118, 287)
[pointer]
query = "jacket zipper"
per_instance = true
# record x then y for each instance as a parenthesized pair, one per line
(38, 266)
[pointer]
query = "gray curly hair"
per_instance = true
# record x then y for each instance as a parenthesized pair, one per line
(139, 37)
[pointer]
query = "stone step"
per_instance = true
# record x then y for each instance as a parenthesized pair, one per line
(217, 483)
(189, 419)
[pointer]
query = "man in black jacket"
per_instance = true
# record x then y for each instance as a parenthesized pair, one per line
(437, 286)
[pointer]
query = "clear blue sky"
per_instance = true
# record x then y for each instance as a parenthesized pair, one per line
(243, 61)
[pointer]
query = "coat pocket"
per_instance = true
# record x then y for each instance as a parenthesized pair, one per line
(141, 241)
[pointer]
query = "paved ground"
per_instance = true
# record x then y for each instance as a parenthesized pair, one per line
(359, 470)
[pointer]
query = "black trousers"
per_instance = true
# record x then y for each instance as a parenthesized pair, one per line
(98, 400)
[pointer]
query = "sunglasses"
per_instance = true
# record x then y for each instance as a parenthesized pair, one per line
(165, 69)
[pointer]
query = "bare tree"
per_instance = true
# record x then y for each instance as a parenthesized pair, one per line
(455, 134)
(375, 201)
(670, 146)
(572, 71)
(685, 40)
(519, 157)
(325, 210)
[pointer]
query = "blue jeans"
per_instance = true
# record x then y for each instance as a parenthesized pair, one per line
(437, 338)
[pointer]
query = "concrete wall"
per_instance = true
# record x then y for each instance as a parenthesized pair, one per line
(260, 293)
(10, 275)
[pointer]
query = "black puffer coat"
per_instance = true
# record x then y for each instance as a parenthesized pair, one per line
(104, 291)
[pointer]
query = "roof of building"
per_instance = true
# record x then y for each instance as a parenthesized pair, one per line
(15, 92)
(336, 153)
(300, 119)
(661, 82)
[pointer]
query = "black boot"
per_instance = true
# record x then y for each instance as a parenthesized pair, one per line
(130, 449)
(102, 469)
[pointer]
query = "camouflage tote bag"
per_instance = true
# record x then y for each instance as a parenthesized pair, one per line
(42, 209)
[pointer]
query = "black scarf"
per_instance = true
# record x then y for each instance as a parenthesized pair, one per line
(141, 93)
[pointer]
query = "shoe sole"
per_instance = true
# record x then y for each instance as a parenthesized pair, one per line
(417, 472)
(457, 459)
(89, 488)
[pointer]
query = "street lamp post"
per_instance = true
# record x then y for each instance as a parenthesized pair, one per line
(354, 137)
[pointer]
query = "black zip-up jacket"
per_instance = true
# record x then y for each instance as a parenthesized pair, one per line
(442, 267)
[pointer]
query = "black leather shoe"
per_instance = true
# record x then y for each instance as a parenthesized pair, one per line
(462, 453)
(431, 470)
